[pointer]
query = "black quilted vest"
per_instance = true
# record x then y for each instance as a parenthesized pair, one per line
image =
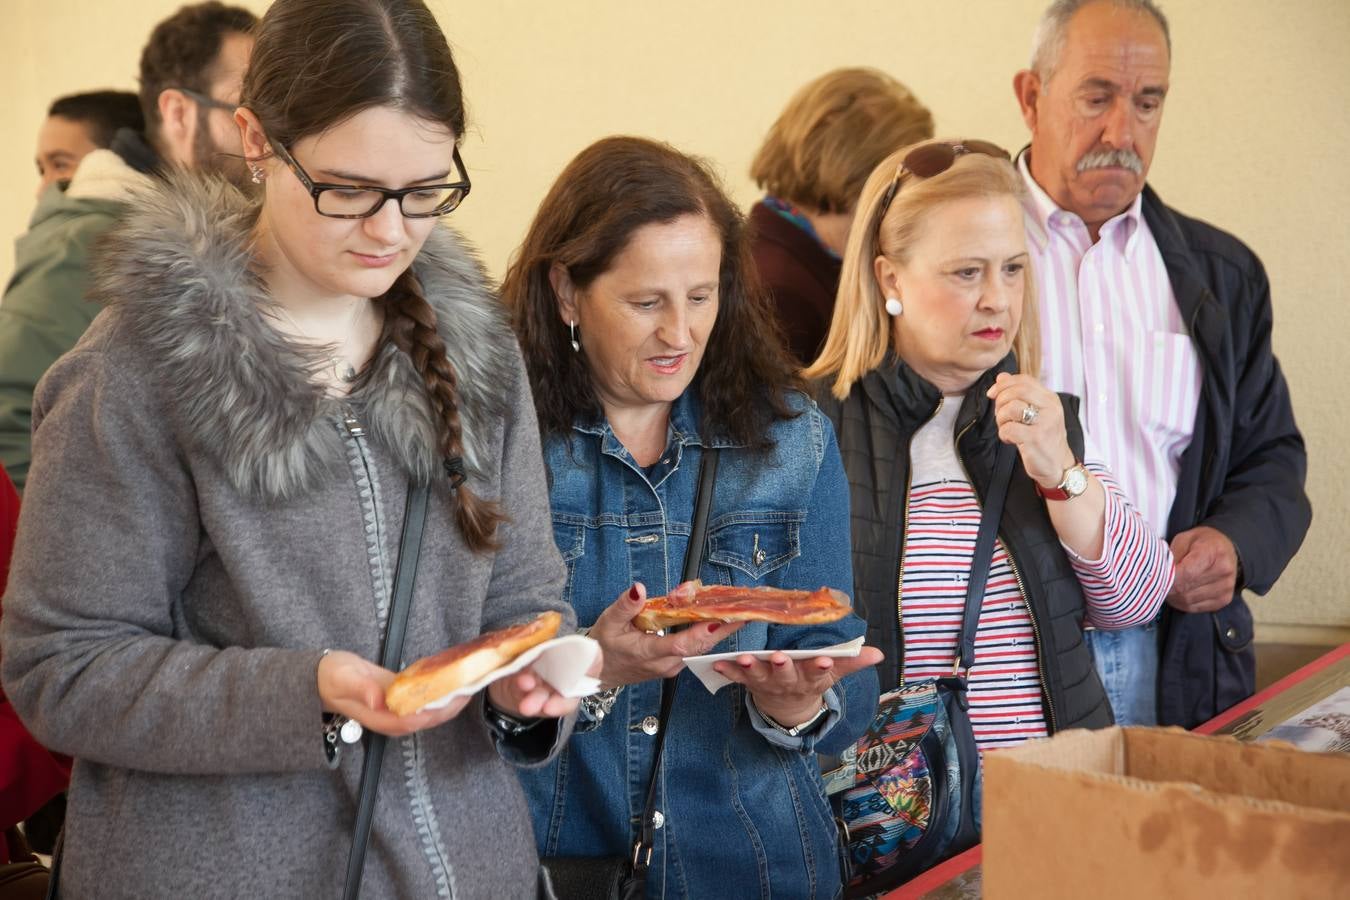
(874, 426)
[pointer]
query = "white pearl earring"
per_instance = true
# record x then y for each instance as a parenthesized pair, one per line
(893, 306)
(576, 345)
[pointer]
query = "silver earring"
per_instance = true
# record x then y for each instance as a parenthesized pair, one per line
(893, 306)
(257, 174)
(576, 345)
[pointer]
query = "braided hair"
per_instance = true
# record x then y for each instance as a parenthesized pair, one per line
(410, 323)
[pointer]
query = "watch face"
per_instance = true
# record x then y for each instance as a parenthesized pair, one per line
(1075, 481)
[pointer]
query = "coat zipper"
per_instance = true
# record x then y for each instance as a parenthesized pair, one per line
(904, 540)
(357, 432)
(1021, 590)
(424, 814)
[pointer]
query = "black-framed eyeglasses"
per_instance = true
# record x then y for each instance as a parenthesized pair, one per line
(360, 201)
(934, 159)
(207, 100)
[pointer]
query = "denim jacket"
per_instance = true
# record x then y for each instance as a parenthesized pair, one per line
(741, 808)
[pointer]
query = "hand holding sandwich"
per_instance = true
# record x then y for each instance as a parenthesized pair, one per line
(632, 655)
(354, 687)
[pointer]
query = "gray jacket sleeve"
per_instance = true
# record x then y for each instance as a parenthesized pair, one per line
(108, 539)
(527, 573)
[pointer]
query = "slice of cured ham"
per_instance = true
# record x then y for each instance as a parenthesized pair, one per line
(694, 601)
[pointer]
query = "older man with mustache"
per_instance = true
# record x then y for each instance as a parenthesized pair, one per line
(1161, 324)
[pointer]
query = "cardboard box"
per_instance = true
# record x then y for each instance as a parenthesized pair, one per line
(1160, 812)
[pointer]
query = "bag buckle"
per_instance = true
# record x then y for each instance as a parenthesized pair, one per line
(637, 851)
(843, 828)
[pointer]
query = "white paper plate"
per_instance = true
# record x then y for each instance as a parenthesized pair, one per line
(702, 666)
(562, 662)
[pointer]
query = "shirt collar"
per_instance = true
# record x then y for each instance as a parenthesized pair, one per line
(1045, 217)
(1037, 204)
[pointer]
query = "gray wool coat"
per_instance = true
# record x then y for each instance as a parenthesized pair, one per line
(200, 523)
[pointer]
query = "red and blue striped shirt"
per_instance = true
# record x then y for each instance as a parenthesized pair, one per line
(1126, 587)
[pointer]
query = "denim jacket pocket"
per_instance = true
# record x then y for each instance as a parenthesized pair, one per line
(571, 541)
(755, 544)
(570, 538)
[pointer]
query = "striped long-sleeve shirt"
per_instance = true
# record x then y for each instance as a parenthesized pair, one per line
(1125, 587)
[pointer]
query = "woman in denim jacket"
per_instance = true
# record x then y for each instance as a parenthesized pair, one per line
(647, 341)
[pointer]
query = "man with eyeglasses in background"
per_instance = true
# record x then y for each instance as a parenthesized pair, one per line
(190, 73)
(1161, 324)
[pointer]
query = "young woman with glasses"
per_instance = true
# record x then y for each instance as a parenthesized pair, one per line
(213, 517)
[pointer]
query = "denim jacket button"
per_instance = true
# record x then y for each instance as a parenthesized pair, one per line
(651, 725)
(658, 820)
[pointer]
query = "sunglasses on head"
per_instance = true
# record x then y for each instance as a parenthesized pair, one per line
(934, 159)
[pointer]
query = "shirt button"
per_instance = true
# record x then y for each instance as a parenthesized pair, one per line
(1101, 398)
(1099, 328)
(651, 725)
(658, 820)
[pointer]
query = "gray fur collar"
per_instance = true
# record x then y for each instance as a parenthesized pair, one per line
(176, 269)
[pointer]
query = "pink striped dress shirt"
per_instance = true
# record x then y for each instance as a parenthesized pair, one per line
(1112, 334)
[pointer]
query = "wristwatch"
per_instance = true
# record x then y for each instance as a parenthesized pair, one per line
(797, 730)
(1074, 482)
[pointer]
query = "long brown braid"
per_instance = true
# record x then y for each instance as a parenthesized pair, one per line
(410, 322)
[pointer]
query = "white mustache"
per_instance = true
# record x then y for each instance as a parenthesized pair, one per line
(1101, 159)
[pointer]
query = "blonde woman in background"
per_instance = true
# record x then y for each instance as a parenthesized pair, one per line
(812, 166)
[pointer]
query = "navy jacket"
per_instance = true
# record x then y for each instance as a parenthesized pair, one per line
(1244, 470)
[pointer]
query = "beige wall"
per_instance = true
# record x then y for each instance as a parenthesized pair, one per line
(1256, 138)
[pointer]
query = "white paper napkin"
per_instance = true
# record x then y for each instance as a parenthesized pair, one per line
(702, 666)
(562, 662)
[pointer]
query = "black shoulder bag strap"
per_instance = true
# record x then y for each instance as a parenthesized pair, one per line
(955, 698)
(984, 553)
(391, 656)
(693, 561)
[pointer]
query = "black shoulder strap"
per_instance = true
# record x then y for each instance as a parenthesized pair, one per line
(698, 531)
(693, 561)
(391, 656)
(984, 553)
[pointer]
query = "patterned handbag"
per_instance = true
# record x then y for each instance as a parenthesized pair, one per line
(908, 791)
(907, 794)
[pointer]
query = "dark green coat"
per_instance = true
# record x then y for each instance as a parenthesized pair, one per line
(45, 310)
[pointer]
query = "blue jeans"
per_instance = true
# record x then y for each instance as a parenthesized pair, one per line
(1127, 662)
